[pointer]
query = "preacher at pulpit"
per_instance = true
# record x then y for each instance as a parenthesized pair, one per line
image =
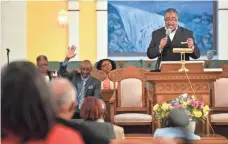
(169, 37)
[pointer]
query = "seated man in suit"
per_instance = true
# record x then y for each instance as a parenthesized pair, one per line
(83, 81)
(65, 94)
(169, 37)
(176, 123)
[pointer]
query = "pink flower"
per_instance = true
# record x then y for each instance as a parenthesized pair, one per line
(200, 104)
(193, 103)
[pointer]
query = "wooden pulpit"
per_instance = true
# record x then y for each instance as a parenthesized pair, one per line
(170, 83)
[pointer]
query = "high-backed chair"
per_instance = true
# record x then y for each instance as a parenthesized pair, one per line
(131, 103)
(100, 75)
(219, 115)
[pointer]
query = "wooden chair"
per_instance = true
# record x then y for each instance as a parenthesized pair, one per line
(219, 115)
(100, 75)
(131, 103)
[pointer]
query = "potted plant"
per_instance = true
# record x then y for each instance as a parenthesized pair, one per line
(197, 109)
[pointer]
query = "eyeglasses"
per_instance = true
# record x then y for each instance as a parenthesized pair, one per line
(104, 65)
(172, 19)
(85, 69)
(43, 65)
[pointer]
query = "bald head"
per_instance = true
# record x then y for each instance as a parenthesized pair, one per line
(86, 62)
(85, 68)
(64, 92)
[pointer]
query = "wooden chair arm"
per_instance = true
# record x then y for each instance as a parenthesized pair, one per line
(149, 102)
(113, 98)
(112, 103)
(219, 109)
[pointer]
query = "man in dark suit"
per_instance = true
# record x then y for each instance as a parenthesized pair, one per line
(169, 37)
(85, 84)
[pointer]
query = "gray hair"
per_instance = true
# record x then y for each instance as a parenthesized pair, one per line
(169, 10)
(64, 91)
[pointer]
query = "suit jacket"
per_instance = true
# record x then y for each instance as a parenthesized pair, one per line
(87, 135)
(119, 131)
(92, 87)
(181, 35)
(104, 130)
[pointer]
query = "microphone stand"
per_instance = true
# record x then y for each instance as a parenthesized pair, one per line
(8, 51)
(141, 62)
(157, 69)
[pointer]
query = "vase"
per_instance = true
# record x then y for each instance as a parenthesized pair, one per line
(191, 127)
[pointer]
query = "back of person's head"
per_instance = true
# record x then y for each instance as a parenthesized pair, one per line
(178, 117)
(91, 109)
(27, 108)
(65, 95)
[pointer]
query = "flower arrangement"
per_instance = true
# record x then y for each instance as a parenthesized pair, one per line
(197, 109)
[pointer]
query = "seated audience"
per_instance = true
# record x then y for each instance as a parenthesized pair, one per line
(27, 109)
(42, 63)
(83, 81)
(178, 119)
(65, 95)
(107, 65)
(94, 109)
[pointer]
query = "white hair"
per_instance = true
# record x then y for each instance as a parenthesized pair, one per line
(66, 98)
(64, 91)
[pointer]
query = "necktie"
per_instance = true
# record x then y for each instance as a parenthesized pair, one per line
(81, 96)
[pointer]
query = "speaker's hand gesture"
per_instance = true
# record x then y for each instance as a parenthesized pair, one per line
(71, 52)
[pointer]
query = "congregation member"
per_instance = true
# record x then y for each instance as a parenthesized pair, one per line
(65, 95)
(172, 36)
(93, 111)
(83, 81)
(106, 65)
(176, 124)
(42, 64)
(28, 110)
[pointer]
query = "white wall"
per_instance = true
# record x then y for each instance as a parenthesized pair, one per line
(73, 27)
(222, 30)
(13, 30)
(102, 29)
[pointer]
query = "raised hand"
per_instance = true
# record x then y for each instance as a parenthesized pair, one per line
(71, 52)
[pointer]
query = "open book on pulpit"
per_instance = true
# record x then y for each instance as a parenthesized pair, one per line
(182, 65)
(175, 66)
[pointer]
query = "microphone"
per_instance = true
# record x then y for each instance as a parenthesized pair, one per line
(8, 50)
(141, 62)
(168, 32)
(157, 66)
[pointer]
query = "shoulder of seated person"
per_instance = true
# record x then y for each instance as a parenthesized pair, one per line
(96, 80)
(161, 130)
(118, 128)
(194, 136)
